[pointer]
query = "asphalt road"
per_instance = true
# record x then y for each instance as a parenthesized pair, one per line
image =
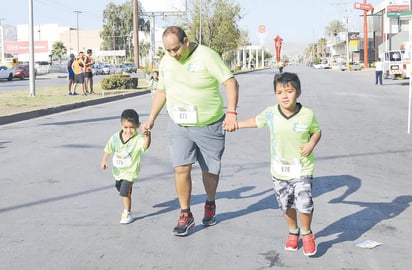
(59, 210)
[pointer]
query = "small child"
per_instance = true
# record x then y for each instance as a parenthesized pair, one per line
(294, 133)
(153, 82)
(126, 147)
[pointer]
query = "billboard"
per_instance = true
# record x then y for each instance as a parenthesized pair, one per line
(22, 47)
(163, 6)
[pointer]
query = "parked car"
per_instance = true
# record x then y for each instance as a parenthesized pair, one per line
(106, 69)
(6, 73)
(22, 72)
(321, 65)
(130, 67)
(353, 66)
(119, 69)
(97, 69)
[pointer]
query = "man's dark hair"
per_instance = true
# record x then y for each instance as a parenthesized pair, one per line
(130, 115)
(285, 78)
(179, 32)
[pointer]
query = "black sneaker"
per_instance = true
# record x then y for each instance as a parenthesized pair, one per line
(185, 223)
(209, 219)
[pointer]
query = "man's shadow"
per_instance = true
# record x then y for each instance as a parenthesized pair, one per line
(236, 194)
(353, 226)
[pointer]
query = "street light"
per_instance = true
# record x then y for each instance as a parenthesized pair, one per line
(70, 39)
(347, 44)
(77, 14)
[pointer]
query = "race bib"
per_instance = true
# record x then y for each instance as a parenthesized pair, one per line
(185, 115)
(121, 162)
(291, 169)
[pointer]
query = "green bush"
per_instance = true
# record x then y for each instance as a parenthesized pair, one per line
(119, 81)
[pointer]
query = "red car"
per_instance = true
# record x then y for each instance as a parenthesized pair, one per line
(22, 72)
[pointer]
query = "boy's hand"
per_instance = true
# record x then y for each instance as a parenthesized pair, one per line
(104, 165)
(306, 149)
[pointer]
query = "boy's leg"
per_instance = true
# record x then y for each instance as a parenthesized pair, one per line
(305, 222)
(304, 205)
(291, 219)
(127, 203)
(126, 194)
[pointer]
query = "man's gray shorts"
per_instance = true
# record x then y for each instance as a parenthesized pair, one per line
(294, 193)
(203, 144)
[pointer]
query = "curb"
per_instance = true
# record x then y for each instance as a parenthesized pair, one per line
(43, 112)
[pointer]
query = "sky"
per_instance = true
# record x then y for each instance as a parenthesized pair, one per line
(298, 22)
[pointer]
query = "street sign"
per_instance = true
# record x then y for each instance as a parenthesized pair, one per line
(393, 14)
(405, 14)
(363, 6)
(262, 28)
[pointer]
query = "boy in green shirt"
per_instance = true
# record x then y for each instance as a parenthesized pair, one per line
(294, 133)
(127, 147)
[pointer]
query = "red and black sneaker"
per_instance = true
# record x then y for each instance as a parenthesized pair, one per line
(184, 224)
(209, 219)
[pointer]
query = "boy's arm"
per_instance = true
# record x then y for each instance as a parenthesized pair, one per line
(147, 140)
(104, 160)
(248, 123)
(307, 148)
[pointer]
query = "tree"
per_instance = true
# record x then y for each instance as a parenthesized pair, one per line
(218, 19)
(118, 26)
(58, 49)
(334, 28)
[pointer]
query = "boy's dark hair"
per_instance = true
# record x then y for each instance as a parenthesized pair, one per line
(285, 78)
(130, 115)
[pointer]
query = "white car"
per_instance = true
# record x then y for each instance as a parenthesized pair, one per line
(6, 73)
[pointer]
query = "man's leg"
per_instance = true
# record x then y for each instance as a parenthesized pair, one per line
(210, 182)
(183, 185)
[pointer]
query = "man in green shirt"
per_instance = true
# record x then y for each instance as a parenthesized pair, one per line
(189, 79)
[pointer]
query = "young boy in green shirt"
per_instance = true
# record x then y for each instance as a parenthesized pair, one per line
(294, 133)
(126, 147)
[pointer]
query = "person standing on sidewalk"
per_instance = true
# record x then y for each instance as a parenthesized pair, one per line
(127, 147)
(70, 73)
(378, 72)
(189, 78)
(88, 73)
(78, 69)
(294, 133)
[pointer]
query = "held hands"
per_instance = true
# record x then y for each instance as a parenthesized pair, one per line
(146, 128)
(230, 123)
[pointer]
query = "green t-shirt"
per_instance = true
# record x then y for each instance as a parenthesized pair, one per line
(126, 156)
(194, 84)
(287, 134)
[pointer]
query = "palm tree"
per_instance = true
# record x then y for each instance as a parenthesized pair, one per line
(334, 28)
(58, 49)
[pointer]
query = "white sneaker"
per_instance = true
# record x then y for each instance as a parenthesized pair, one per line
(126, 217)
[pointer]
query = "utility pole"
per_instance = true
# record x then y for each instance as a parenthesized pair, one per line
(2, 38)
(78, 43)
(365, 39)
(200, 22)
(136, 32)
(32, 87)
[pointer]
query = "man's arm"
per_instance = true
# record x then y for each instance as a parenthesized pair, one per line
(232, 95)
(159, 100)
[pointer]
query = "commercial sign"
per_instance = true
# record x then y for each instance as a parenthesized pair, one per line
(163, 6)
(22, 47)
